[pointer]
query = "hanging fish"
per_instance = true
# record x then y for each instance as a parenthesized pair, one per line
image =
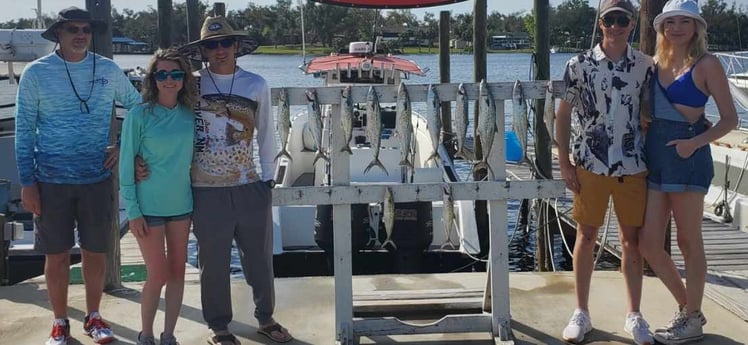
(486, 130)
(314, 114)
(374, 128)
(461, 120)
(284, 123)
(448, 216)
(520, 122)
(549, 113)
(389, 217)
(404, 125)
(346, 118)
(434, 121)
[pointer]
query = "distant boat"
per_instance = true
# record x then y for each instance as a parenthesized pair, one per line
(23, 45)
(554, 50)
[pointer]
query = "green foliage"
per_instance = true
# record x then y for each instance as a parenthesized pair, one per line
(331, 27)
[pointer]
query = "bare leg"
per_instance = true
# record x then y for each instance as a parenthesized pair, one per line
(57, 275)
(632, 265)
(688, 208)
(177, 234)
(152, 248)
(94, 269)
(652, 244)
(584, 263)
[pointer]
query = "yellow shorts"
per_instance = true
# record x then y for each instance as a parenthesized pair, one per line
(629, 198)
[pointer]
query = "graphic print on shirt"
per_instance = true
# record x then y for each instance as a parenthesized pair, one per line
(605, 96)
(223, 149)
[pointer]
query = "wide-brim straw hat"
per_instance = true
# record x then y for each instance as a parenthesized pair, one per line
(216, 28)
(687, 8)
(73, 14)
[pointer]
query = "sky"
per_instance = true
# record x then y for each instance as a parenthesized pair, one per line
(14, 9)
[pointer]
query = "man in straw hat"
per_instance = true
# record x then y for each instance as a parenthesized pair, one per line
(232, 201)
(63, 121)
(604, 89)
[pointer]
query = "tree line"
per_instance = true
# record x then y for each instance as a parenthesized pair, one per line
(571, 24)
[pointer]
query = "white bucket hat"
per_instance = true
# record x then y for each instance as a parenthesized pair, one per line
(688, 8)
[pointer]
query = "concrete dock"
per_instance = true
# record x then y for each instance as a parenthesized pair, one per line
(540, 302)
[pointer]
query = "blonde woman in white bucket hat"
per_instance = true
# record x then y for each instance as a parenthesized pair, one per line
(679, 160)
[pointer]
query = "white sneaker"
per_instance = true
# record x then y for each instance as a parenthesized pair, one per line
(579, 325)
(679, 317)
(686, 331)
(638, 329)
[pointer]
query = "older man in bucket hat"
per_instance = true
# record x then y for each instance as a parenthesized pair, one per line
(63, 123)
(604, 92)
(232, 201)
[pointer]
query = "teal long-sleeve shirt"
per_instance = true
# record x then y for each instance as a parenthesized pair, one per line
(164, 138)
(59, 139)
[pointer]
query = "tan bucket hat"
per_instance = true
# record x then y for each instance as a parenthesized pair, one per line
(216, 28)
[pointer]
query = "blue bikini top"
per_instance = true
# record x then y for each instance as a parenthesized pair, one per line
(683, 90)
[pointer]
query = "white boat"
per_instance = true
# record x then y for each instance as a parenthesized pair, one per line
(23, 45)
(308, 227)
(727, 199)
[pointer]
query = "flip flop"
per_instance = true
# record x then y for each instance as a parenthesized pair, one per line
(223, 339)
(272, 331)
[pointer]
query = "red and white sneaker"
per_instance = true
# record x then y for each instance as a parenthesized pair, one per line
(97, 329)
(60, 332)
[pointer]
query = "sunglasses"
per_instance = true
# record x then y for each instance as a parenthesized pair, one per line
(621, 21)
(176, 75)
(72, 29)
(226, 42)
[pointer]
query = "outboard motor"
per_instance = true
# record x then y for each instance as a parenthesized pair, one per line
(412, 234)
(361, 231)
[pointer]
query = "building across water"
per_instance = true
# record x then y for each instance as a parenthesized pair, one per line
(126, 45)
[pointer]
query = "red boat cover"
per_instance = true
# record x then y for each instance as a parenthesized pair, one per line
(329, 63)
(389, 3)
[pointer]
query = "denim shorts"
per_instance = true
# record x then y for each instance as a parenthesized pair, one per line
(668, 171)
(161, 220)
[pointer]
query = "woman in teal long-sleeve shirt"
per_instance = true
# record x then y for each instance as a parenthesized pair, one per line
(161, 131)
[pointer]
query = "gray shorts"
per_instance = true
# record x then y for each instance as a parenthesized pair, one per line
(67, 207)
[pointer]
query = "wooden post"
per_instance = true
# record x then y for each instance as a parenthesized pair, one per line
(444, 77)
(219, 9)
(164, 24)
(4, 253)
(647, 34)
(542, 138)
(102, 45)
(194, 24)
(479, 70)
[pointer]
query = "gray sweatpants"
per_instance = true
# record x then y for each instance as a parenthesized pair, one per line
(244, 214)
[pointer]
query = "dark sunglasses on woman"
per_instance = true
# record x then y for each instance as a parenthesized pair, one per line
(72, 29)
(226, 42)
(176, 75)
(621, 21)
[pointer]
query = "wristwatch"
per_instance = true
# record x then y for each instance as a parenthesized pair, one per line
(270, 184)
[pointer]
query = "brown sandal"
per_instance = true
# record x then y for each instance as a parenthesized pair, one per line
(272, 332)
(223, 339)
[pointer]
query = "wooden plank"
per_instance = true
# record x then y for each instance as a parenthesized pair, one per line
(467, 323)
(534, 89)
(343, 263)
(416, 294)
(419, 306)
(359, 194)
